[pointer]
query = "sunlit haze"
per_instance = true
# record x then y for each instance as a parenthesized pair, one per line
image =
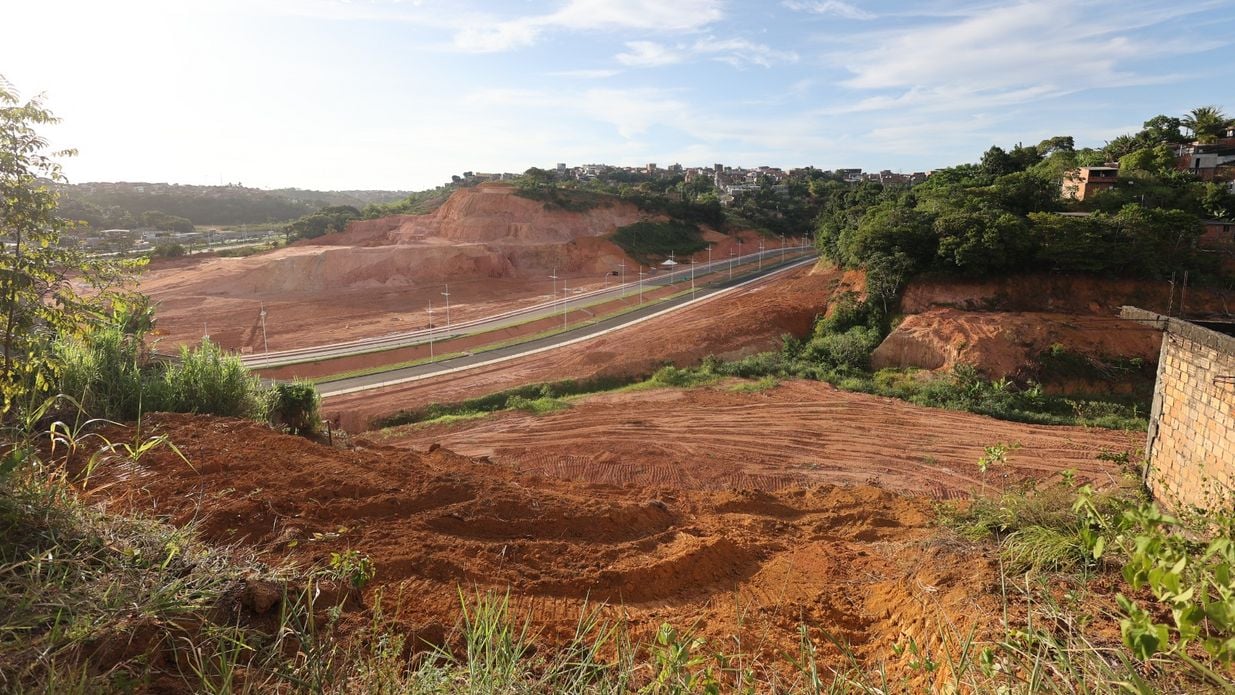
(401, 95)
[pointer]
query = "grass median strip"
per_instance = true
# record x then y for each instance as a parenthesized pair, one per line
(379, 369)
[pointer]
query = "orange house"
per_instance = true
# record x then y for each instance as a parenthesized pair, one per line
(1085, 181)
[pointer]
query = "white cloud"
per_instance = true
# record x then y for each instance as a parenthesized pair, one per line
(487, 35)
(647, 54)
(832, 7)
(739, 52)
(677, 16)
(633, 111)
(587, 73)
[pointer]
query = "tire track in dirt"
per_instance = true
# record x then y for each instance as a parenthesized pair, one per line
(798, 433)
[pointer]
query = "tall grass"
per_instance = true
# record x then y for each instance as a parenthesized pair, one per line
(108, 374)
(206, 379)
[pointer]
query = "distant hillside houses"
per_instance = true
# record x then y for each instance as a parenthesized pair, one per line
(729, 181)
(1213, 161)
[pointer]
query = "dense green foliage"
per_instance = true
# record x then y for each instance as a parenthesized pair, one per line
(322, 222)
(1001, 215)
(648, 241)
(502, 400)
(128, 208)
(46, 291)
(296, 406)
(109, 374)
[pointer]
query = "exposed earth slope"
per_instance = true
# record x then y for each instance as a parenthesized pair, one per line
(494, 248)
(751, 562)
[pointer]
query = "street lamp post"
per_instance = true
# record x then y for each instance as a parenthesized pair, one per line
(732, 253)
(265, 344)
(692, 276)
(446, 294)
(640, 284)
(782, 248)
(564, 300)
(430, 330)
(761, 254)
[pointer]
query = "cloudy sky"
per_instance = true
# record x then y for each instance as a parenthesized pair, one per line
(400, 95)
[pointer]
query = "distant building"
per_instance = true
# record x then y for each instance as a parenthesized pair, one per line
(1081, 183)
(1214, 161)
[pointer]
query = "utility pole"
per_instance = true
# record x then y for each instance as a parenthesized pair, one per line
(430, 330)
(446, 294)
(554, 278)
(265, 344)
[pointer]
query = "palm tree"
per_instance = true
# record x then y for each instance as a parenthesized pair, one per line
(1207, 123)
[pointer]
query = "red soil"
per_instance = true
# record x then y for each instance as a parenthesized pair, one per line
(796, 434)
(743, 322)
(1001, 326)
(1003, 343)
(751, 562)
(495, 249)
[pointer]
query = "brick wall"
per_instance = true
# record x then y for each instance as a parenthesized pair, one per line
(1190, 449)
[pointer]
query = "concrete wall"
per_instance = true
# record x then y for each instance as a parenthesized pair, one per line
(1190, 450)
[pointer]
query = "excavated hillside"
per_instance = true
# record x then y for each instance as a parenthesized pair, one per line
(494, 248)
(1009, 327)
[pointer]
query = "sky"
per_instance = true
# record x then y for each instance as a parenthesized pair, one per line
(389, 94)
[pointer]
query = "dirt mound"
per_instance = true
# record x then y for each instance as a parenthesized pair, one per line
(1002, 325)
(797, 434)
(494, 248)
(733, 564)
(489, 214)
(1004, 343)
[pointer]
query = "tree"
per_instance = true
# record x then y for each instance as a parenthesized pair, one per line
(1206, 123)
(38, 302)
(1154, 160)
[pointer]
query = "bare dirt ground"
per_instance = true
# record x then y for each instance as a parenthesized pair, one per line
(743, 322)
(747, 566)
(494, 249)
(1001, 326)
(799, 433)
(1003, 343)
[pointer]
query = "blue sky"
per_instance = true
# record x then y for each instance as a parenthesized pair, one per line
(400, 95)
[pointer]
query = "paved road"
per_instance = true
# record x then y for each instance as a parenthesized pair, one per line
(581, 332)
(770, 257)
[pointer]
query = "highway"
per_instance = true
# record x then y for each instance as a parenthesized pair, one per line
(581, 300)
(578, 333)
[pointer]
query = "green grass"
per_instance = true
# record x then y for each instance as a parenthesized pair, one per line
(764, 384)
(650, 241)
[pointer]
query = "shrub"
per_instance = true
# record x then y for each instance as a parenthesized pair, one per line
(171, 250)
(210, 381)
(670, 375)
(296, 406)
(647, 240)
(851, 348)
(102, 371)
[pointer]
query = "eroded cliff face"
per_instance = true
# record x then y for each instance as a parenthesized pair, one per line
(485, 232)
(1002, 326)
(488, 214)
